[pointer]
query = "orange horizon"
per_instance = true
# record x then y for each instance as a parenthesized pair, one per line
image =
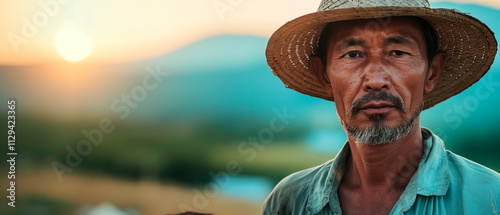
(134, 30)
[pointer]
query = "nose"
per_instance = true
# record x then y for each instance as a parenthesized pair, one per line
(376, 76)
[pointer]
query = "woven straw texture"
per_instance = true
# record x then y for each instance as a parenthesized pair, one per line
(469, 44)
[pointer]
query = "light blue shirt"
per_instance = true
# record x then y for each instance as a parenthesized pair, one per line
(444, 183)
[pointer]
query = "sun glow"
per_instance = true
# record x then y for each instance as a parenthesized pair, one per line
(72, 44)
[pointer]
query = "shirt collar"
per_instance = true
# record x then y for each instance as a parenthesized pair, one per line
(325, 186)
(431, 177)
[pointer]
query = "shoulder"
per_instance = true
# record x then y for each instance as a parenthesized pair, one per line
(468, 169)
(475, 186)
(293, 190)
(471, 177)
(467, 174)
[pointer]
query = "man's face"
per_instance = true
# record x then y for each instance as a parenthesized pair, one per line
(378, 74)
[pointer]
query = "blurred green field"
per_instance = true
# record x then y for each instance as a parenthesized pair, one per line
(166, 152)
(186, 154)
(167, 156)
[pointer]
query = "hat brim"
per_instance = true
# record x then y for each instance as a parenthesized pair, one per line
(470, 47)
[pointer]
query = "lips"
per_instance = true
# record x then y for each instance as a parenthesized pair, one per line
(377, 107)
(377, 103)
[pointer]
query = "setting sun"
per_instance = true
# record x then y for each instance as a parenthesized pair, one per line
(72, 44)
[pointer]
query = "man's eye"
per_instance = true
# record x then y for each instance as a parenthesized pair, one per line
(397, 53)
(353, 54)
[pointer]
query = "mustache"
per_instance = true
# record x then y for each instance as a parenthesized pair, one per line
(372, 96)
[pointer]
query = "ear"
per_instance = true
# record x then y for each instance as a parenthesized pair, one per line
(434, 72)
(318, 69)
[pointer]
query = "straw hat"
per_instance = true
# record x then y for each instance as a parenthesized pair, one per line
(469, 44)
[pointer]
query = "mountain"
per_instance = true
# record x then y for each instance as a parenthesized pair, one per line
(226, 78)
(228, 75)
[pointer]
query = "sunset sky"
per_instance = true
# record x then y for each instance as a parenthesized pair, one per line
(106, 32)
(188, 88)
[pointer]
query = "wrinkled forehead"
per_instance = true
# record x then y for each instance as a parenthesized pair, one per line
(406, 26)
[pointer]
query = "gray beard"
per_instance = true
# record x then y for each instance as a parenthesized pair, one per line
(379, 133)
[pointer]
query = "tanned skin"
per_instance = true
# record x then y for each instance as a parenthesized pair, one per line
(389, 58)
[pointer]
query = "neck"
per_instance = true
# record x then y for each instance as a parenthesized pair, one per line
(387, 166)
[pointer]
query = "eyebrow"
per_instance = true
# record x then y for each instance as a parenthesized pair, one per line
(350, 42)
(399, 39)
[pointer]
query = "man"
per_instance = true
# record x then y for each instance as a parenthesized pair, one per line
(383, 62)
